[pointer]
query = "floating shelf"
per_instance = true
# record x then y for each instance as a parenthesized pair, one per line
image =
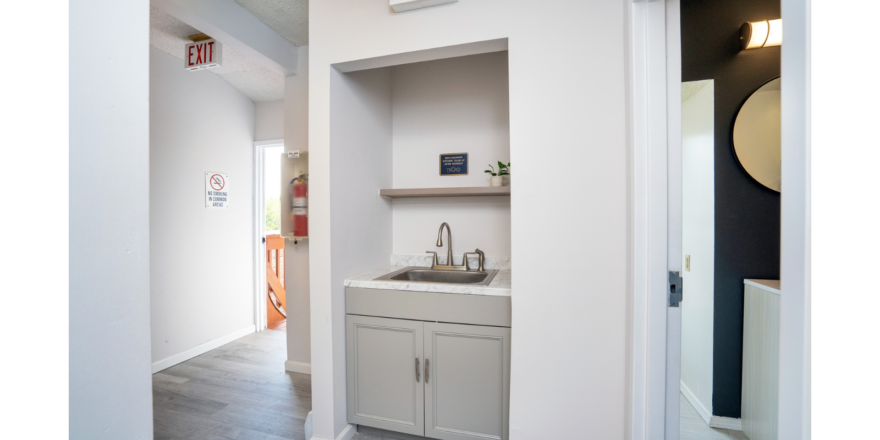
(446, 192)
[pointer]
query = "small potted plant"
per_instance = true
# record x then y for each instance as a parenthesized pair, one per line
(498, 177)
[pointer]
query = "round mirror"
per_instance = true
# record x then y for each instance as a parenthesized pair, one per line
(757, 135)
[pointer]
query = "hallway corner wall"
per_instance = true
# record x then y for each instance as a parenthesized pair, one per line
(268, 120)
(296, 263)
(110, 389)
(202, 280)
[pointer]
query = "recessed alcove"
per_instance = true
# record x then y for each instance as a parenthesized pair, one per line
(390, 120)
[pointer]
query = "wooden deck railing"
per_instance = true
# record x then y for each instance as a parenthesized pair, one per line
(276, 297)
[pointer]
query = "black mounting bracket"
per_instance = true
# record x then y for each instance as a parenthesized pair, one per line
(676, 289)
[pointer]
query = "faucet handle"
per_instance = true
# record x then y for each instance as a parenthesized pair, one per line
(465, 262)
(435, 262)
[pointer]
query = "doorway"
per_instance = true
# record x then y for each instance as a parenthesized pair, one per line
(269, 257)
(730, 221)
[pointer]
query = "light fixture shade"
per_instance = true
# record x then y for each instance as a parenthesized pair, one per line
(774, 36)
(755, 34)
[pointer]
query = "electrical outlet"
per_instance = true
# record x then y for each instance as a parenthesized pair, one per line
(687, 263)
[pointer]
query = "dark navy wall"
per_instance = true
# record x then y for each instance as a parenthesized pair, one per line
(746, 213)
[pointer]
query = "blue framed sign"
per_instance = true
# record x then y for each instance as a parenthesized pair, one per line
(454, 164)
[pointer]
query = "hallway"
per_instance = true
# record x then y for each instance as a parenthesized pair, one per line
(238, 391)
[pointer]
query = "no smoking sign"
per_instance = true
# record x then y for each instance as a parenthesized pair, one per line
(216, 190)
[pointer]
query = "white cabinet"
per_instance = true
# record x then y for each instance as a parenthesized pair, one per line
(443, 381)
(384, 373)
(467, 380)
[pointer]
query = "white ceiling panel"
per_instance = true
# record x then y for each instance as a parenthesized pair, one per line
(290, 18)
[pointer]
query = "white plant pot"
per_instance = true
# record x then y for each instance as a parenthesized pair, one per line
(497, 180)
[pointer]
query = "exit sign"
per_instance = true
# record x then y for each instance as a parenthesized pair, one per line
(205, 54)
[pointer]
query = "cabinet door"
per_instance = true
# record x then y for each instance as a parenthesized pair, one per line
(467, 381)
(384, 373)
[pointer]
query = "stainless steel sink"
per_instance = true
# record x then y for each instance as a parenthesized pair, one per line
(415, 274)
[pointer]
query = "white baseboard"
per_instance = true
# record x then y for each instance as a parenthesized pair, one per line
(726, 423)
(705, 413)
(298, 367)
(347, 433)
(201, 349)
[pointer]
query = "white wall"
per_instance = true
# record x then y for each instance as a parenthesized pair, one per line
(361, 219)
(569, 210)
(269, 120)
(475, 222)
(296, 105)
(201, 259)
(455, 105)
(449, 106)
(809, 400)
(296, 263)
(698, 241)
(110, 384)
(796, 220)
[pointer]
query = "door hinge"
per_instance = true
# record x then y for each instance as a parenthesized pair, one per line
(676, 289)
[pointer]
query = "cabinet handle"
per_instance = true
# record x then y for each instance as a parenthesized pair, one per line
(427, 369)
(417, 369)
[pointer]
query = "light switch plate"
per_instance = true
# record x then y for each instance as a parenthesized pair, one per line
(687, 263)
(407, 5)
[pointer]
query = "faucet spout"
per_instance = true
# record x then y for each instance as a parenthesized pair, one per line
(448, 242)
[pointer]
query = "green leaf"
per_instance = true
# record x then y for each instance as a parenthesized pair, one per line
(487, 171)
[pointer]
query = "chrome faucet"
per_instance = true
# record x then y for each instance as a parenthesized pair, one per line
(449, 264)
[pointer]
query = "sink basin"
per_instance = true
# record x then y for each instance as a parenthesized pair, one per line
(425, 275)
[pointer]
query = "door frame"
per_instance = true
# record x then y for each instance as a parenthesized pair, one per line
(795, 240)
(260, 231)
(650, 118)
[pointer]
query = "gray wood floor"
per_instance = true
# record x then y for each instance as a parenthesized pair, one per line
(693, 427)
(239, 391)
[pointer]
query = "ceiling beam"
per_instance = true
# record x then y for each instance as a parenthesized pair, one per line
(235, 27)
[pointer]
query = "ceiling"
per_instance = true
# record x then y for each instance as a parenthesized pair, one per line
(255, 81)
(290, 18)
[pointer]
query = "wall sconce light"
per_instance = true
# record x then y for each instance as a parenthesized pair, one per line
(755, 34)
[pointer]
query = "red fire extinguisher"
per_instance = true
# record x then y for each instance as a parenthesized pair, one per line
(299, 193)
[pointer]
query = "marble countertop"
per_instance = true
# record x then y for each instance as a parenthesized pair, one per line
(769, 285)
(500, 285)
